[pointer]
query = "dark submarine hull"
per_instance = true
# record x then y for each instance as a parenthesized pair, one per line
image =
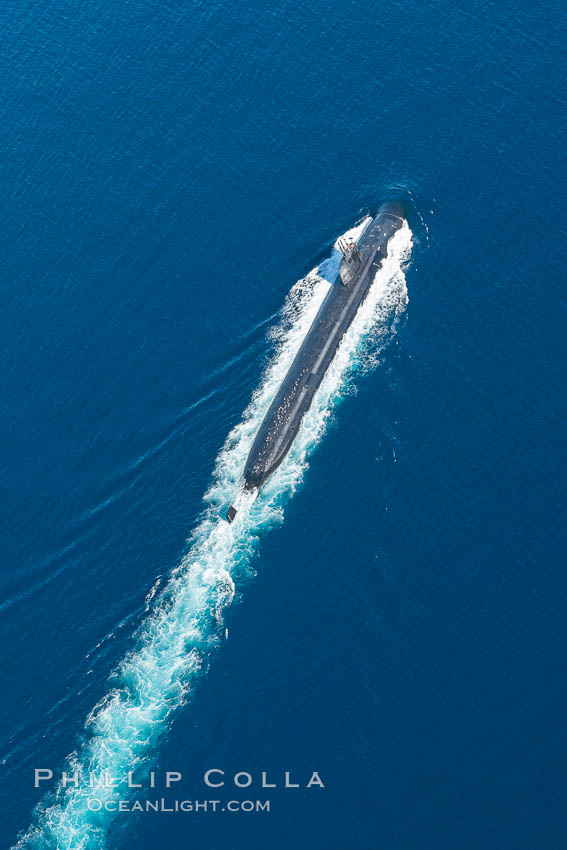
(293, 399)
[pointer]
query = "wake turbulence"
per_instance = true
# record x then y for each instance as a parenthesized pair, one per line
(184, 625)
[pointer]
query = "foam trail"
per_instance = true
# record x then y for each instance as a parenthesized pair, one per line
(175, 642)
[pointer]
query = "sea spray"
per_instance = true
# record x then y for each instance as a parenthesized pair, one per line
(175, 643)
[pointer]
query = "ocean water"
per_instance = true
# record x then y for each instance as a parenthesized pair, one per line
(390, 610)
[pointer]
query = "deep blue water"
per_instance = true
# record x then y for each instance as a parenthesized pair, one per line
(168, 171)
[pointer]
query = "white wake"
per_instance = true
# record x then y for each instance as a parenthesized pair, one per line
(176, 640)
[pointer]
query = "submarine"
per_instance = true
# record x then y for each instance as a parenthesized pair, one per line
(360, 262)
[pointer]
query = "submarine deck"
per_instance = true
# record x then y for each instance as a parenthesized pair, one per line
(281, 423)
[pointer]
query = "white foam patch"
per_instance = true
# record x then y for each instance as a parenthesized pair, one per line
(174, 645)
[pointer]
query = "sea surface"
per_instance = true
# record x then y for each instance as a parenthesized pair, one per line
(390, 610)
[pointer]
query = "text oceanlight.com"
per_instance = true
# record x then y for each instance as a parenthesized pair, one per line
(161, 805)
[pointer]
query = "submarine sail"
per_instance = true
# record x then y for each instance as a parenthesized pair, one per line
(358, 269)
